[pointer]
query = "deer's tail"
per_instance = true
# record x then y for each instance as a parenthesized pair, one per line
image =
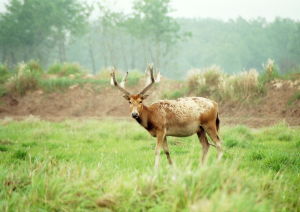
(218, 122)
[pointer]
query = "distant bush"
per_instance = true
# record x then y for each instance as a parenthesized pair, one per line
(66, 69)
(206, 81)
(244, 85)
(34, 66)
(174, 94)
(104, 74)
(216, 84)
(4, 74)
(60, 83)
(133, 78)
(25, 79)
(270, 72)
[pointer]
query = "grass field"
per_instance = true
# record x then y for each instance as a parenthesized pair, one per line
(79, 165)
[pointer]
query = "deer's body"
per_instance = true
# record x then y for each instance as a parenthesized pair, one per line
(180, 118)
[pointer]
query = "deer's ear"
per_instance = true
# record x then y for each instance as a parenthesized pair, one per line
(145, 96)
(126, 97)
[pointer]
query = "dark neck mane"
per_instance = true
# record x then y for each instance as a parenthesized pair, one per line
(144, 120)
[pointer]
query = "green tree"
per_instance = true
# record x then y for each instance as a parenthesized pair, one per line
(30, 28)
(22, 30)
(68, 17)
(152, 24)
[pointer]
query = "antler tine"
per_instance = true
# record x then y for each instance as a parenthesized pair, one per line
(150, 68)
(124, 80)
(115, 83)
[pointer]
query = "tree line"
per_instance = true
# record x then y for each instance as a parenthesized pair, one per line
(61, 31)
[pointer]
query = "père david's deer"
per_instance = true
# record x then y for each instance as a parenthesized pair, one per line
(179, 118)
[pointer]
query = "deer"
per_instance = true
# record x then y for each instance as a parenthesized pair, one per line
(182, 117)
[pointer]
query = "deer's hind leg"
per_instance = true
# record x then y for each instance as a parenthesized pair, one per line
(212, 131)
(166, 150)
(204, 142)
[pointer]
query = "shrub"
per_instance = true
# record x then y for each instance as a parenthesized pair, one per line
(24, 80)
(60, 83)
(104, 74)
(214, 83)
(134, 77)
(4, 74)
(270, 72)
(205, 82)
(66, 69)
(174, 94)
(213, 76)
(34, 66)
(242, 86)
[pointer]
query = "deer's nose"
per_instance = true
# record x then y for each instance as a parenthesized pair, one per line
(135, 115)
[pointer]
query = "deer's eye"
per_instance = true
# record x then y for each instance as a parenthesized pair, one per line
(130, 102)
(140, 102)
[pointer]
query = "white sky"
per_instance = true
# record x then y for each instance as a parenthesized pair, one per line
(220, 9)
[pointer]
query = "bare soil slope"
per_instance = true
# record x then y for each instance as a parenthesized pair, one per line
(86, 102)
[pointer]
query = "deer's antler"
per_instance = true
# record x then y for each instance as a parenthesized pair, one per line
(150, 68)
(124, 80)
(114, 82)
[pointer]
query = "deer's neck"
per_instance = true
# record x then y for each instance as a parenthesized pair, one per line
(144, 118)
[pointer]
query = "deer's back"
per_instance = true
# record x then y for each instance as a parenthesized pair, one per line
(182, 117)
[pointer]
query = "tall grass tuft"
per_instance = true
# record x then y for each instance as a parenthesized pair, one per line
(215, 83)
(134, 77)
(34, 66)
(25, 79)
(4, 75)
(66, 69)
(175, 94)
(270, 72)
(242, 86)
(205, 82)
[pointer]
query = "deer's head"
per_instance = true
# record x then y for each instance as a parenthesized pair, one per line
(135, 100)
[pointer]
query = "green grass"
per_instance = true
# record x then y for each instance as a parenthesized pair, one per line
(92, 165)
(66, 69)
(174, 94)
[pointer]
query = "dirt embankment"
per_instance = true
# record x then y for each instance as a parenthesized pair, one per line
(77, 102)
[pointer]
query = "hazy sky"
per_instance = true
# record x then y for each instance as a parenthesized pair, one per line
(220, 9)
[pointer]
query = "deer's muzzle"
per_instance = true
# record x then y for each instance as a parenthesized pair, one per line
(135, 115)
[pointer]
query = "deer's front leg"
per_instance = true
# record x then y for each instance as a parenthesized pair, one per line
(159, 144)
